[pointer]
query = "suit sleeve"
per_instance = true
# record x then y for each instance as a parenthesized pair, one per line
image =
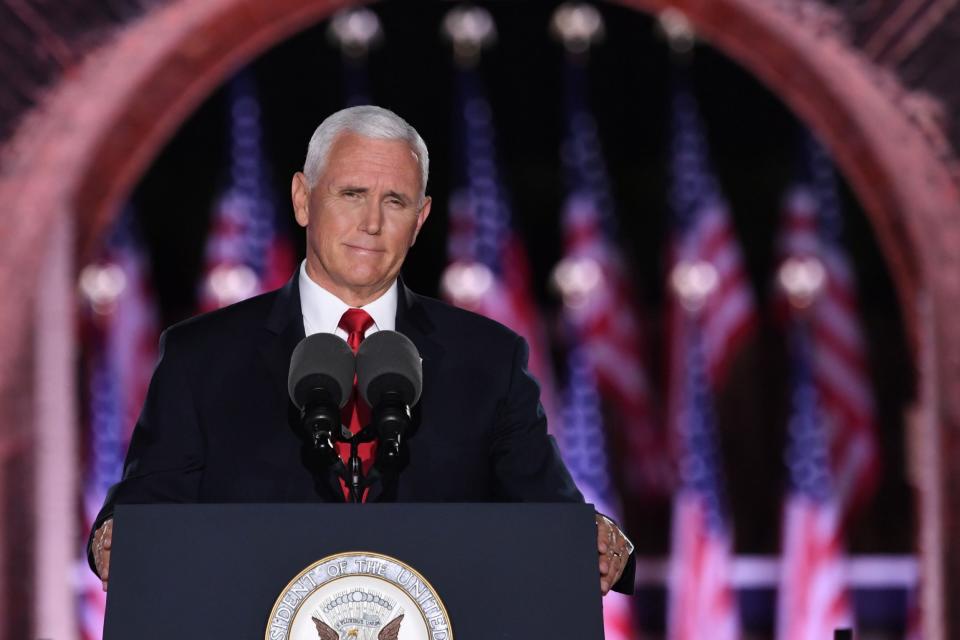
(526, 457)
(165, 460)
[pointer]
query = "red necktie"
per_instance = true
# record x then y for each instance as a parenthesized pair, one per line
(355, 413)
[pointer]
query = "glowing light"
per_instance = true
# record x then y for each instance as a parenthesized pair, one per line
(466, 282)
(101, 285)
(802, 279)
(577, 26)
(693, 283)
(470, 29)
(576, 279)
(356, 31)
(231, 283)
(678, 30)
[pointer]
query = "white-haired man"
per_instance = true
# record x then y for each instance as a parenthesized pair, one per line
(217, 425)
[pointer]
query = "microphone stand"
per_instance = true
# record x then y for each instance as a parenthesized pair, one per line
(351, 472)
(356, 481)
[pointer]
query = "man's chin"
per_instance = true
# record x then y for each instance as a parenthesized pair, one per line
(364, 278)
(373, 284)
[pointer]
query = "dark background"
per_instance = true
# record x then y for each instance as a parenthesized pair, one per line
(753, 140)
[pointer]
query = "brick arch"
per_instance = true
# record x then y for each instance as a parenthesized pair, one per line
(80, 153)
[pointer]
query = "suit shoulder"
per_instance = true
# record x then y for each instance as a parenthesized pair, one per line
(446, 316)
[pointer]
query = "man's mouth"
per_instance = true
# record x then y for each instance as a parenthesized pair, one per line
(361, 249)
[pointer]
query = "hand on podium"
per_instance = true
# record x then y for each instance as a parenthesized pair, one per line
(614, 549)
(102, 543)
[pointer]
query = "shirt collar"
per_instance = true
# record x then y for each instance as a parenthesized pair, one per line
(322, 310)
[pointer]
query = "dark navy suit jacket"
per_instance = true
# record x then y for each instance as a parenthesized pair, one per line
(218, 426)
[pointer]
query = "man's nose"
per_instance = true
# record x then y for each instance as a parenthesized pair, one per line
(372, 221)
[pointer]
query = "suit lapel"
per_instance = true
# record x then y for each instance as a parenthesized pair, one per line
(413, 322)
(284, 331)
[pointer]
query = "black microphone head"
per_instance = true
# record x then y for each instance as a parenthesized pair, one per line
(325, 361)
(389, 361)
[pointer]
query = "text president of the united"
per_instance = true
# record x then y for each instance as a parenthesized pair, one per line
(218, 426)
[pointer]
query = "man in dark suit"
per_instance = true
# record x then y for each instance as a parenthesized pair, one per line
(217, 425)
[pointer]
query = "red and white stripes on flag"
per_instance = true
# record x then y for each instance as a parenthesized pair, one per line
(705, 253)
(606, 315)
(601, 303)
(728, 314)
(811, 230)
(703, 603)
(120, 323)
(813, 599)
(246, 252)
(711, 313)
(489, 271)
(584, 447)
(605, 362)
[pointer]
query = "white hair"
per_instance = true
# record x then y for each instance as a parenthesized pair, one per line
(368, 121)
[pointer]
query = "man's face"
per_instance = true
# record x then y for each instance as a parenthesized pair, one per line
(361, 217)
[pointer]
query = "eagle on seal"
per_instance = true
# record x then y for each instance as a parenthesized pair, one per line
(390, 631)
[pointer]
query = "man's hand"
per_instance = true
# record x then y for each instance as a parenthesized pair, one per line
(102, 543)
(614, 549)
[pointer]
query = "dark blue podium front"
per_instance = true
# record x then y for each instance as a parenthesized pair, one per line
(503, 571)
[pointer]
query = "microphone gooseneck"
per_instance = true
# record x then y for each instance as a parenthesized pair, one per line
(390, 379)
(391, 418)
(319, 383)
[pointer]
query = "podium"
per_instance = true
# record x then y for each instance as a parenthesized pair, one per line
(501, 571)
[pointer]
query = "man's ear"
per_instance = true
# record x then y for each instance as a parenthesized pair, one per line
(300, 195)
(422, 217)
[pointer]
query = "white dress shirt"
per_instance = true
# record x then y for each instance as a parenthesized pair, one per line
(322, 310)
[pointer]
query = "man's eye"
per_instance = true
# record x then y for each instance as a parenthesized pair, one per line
(351, 194)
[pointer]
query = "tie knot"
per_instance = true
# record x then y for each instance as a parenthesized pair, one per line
(355, 322)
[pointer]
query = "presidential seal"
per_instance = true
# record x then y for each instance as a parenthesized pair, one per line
(359, 596)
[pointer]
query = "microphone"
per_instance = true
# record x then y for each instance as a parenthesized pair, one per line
(390, 379)
(320, 382)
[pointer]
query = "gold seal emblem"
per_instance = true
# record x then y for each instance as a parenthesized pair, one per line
(359, 595)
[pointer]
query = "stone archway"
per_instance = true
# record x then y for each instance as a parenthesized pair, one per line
(79, 154)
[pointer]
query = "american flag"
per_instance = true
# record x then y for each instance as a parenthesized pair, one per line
(813, 599)
(489, 272)
(246, 253)
(811, 230)
(584, 450)
(711, 313)
(120, 324)
(702, 603)
(603, 308)
(704, 239)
